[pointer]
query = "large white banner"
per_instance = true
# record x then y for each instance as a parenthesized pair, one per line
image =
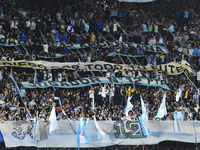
(171, 68)
(119, 132)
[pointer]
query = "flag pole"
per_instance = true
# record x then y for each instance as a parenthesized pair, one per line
(195, 88)
(36, 135)
(17, 88)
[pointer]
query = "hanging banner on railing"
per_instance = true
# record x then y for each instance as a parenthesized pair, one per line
(118, 132)
(170, 68)
(98, 80)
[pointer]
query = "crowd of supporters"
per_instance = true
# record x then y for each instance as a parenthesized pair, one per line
(44, 30)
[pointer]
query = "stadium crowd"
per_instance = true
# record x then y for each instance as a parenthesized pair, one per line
(82, 23)
(38, 26)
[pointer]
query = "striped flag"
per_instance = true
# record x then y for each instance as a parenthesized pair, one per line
(162, 110)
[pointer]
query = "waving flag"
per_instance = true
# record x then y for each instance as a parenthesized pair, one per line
(39, 131)
(100, 133)
(162, 110)
(144, 120)
(34, 130)
(86, 123)
(178, 115)
(144, 124)
(82, 136)
(129, 107)
(52, 118)
(143, 107)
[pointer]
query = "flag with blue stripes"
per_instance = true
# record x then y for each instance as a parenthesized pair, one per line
(82, 136)
(144, 124)
(86, 123)
(178, 116)
(162, 110)
(100, 133)
(129, 106)
(144, 120)
(34, 130)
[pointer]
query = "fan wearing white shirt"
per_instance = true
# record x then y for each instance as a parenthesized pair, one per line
(108, 74)
(129, 73)
(104, 92)
(184, 62)
(112, 90)
(124, 74)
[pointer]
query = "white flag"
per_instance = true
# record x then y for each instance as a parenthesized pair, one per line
(53, 123)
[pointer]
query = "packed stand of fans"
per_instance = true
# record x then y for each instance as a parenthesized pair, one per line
(38, 26)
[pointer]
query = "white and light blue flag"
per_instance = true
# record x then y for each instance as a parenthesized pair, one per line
(178, 116)
(144, 120)
(144, 124)
(82, 136)
(129, 106)
(86, 123)
(34, 130)
(100, 133)
(162, 111)
(143, 106)
(53, 123)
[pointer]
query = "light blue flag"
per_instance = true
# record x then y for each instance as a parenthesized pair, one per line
(100, 133)
(53, 123)
(129, 106)
(34, 130)
(82, 136)
(144, 120)
(16, 86)
(144, 124)
(143, 107)
(162, 110)
(178, 116)
(86, 123)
